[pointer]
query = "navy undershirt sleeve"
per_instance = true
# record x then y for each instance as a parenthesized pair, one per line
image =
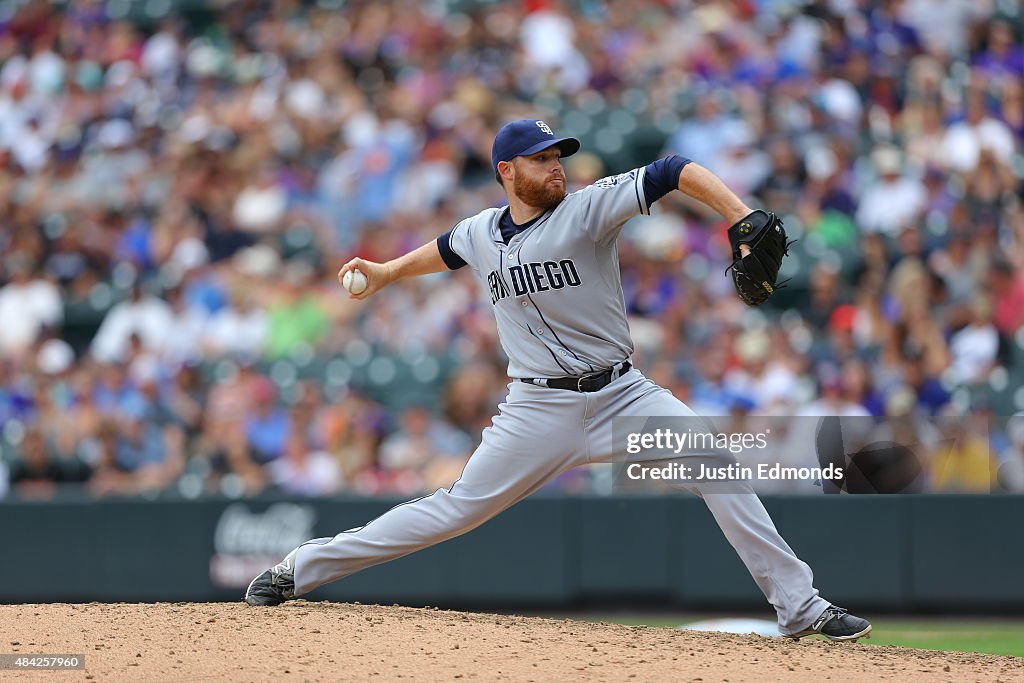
(662, 176)
(450, 258)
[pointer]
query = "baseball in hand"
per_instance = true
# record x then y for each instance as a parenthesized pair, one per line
(354, 281)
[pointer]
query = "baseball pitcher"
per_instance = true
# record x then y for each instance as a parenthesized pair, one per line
(550, 264)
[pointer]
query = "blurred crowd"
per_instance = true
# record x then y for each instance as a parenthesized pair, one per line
(180, 182)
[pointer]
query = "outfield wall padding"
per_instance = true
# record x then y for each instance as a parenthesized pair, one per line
(897, 553)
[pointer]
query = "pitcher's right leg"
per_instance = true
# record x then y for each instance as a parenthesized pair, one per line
(493, 480)
(536, 437)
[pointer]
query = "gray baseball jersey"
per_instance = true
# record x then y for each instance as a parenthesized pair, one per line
(555, 285)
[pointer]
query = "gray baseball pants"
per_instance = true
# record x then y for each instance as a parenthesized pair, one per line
(539, 433)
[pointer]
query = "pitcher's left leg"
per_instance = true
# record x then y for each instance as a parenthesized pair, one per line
(785, 580)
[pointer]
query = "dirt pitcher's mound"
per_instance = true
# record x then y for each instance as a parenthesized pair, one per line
(309, 641)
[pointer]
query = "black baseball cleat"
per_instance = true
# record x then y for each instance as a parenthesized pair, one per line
(835, 623)
(273, 586)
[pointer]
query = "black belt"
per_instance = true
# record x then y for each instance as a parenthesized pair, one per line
(586, 383)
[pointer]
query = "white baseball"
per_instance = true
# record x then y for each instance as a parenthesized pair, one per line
(354, 281)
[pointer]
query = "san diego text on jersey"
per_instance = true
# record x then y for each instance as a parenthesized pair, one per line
(533, 277)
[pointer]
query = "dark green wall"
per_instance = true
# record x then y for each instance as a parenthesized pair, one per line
(900, 553)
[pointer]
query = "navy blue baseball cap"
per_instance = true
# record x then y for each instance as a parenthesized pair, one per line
(525, 137)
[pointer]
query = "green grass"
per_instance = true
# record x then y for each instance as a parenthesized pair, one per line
(995, 636)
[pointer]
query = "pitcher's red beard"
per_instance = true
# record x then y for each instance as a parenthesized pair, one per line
(542, 194)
